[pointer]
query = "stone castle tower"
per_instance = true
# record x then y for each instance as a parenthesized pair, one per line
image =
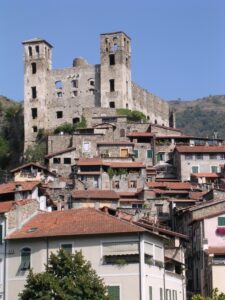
(55, 96)
(37, 65)
(115, 51)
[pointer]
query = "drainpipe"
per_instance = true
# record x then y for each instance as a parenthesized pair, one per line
(141, 267)
(47, 251)
(164, 274)
(4, 262)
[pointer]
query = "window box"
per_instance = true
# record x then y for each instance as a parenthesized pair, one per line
(220, 230)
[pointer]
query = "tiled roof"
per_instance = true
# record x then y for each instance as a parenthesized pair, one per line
(29, 164)
(172, 136)
(166, 127)
(90, 162)
(95, 194)
(129, 193)
(115, 143)
(140, 134)
(60, 152)
(197, 195)
(88, 173)
(210, 175)
(216, 250)
(158, 191)
(83, 221)
(6, 206)
(132, 164)
(170, 185)
(10, 187)
(131, 200)
(200, 149)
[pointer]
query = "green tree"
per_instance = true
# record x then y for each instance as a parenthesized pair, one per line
(65, 127)
(67, 277)
(215, 295)
(36, 153)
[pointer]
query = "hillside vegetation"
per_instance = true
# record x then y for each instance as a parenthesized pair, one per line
(11, 133)
(201, 117)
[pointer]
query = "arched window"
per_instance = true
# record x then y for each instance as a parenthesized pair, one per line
(25, 259)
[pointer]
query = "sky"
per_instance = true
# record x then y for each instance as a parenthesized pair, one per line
(178, 46)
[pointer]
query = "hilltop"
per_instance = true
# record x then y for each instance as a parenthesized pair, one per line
(201, 117)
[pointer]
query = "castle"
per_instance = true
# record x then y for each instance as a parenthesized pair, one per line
(53, 97)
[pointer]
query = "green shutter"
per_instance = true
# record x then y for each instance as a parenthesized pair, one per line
(149, 153)
(195, 169)
(158, 156)
(214, 169)
(114, 292)
(150, 293)
(161, 293)
(136, 153)
(221, 221)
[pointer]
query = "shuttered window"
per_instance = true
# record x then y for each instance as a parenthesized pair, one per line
(221, 221)
(149, 153)
(117, 248)
(114, 292)
(158, 253)
(150, 293)
(174, 295)
(136, 153)
(25, 259)
(149, 249)
(161, 293)
(67, 247)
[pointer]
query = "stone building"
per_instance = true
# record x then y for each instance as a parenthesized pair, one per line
(53, 97)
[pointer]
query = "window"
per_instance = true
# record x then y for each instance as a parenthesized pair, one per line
(58, 84)
(174, 295)
(136, 153)
(76, 120)
(30, 50)
(149, 153)
(74, 83)
(34, 68)
(34, 128)
(74, 93)
(59, 114)
(56, 160)
(222, 156)
(67, 161)
(160, 156)
(132, 184)
(34, 92)
(122, 132)
(159, 209)
(161, 293)
(150, 293)
(221, 221)
(67, 248)
(214, 169)
(198, 156)
(91, 82)
(25, 259)
(116, 184)
(114, 292)
(37, 49)
(86, 146)
(168, 294)
(112, 59)
(34, 113)
(188, 156)
(59, 94)
(194, 169)
(112, 85)
(213, 156)
(112, 104)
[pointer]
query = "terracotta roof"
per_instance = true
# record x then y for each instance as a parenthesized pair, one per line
(73, 222)
(132, 200)
(10, 187)
(115, 143)
(27, 165)
(182, 200)
(166, 127)
(172, 136)
(200, 149)
(170, 185)
(132, 164)
(129, 193)
(197, 195)
(90, 162)
(210, 175)
(140, 134)
(95, 194)
(216, 250)
(60, 152)
(6, 206)
(158, 191)
(210, 215)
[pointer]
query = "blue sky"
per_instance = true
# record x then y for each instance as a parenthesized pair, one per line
(178, 46)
